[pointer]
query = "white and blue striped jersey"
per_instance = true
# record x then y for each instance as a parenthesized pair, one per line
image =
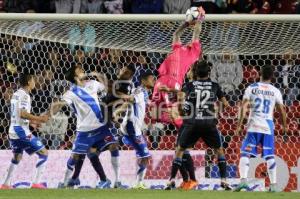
(263, 97)
(85, 103)
(19, 128)
(134, 120)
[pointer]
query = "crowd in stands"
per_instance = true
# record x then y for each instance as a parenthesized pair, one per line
(150, 6)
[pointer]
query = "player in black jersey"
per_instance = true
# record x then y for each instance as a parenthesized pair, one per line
(197, 106)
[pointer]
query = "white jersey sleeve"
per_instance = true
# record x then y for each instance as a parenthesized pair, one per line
(99, 86)
(24, 102)
(139, 96)
(278, 97)
(247, 93)
(67, 97)
(94, 86)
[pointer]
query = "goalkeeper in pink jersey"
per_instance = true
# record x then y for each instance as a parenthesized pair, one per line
(173, 70)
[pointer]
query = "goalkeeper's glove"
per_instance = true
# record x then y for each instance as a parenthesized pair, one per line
(201, 16)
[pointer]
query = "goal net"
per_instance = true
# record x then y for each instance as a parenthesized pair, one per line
(236, 46)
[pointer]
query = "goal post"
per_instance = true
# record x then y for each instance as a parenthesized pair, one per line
(236, 46)
(251, 34)
(147, 17)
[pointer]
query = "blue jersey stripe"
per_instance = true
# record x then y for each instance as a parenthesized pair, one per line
(89, 100)
(74, 108)
(135, 110)
(146, 95)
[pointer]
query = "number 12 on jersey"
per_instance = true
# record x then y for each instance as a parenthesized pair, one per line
(202, 97)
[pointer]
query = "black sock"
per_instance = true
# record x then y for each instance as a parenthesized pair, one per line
(78, 166)
(184, 173)
(175, 167)
(189, 165)
(97, 166)
(222, 166)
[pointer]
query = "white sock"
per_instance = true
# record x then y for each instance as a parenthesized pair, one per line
(10, 171)
(67, 176)
(115, 162)
(244, 167)
(271, 164)
(38, 174)
(141, 173)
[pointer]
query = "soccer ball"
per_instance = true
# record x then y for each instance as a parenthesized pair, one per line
(192, 14)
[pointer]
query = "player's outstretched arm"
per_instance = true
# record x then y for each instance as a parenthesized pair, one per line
(100, 78)
(164, 88)
(177, 34)
(197, 31)
(28, 116)
(198, 24)
(181, 100)
(282, 111)
(56, 106)
(125, 97)
(225, 102)
(244, 110)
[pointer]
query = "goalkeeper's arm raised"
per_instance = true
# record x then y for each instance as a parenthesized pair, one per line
(177, 34)
(198, 24)
(197, 31)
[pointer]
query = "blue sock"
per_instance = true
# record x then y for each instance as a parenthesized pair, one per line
(141, 172)
(42, 159)
(71, 164)
(222, 166)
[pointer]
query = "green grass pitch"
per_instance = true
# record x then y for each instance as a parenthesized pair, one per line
(138, 194)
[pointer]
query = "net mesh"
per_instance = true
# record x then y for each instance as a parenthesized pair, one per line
(236, 51)
(240, 37)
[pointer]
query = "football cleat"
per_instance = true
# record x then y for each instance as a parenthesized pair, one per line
(118, 185)
(140, 185)
(272, 188)
(38, 186)
(182, 185)
(226, 186)
(241, 186)
(190, 185)
(5, 187)
(104, 184)
(61, 185)
(171, 185)
(73, 182)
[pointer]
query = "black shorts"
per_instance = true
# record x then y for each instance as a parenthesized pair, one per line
(190, 133)
(179, 137)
